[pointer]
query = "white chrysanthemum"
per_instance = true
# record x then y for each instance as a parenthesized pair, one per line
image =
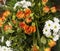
(2, 38)
(46, 32)
(23, 4)
(9, 49)
(17, 4)
(8, 43)
(55, 27)
(48, 24)
(0, 48)
(56, 37)
(4, 48)
(56, 19)
(54, 33)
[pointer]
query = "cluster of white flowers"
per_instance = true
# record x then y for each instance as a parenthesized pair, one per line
(23, 4)
(51, 28)
(7, 47)
(4, 48)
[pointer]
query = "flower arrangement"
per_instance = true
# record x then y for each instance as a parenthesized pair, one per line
(29, 26)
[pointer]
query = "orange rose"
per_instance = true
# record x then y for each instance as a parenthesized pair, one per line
(22, 25)
(53, 9)
(47, 49)
(1, 22)
(35, 48)
(46, 9)
(52, 43)
(44, 2)
(28, 20)
(6, 27)
(28, 30)
(6, 13)
(3, 18)
(27, 12)
(33, 28)
(0, 19)
(20, 14)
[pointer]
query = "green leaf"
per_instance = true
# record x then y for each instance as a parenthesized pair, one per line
(43, 40)
(9, 31)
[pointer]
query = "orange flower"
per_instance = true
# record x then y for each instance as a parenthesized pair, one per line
(20, 14)
(22, 25)
(46, 9)
(35, 48)
(27, 12)
(33, 28)
(6, 13)
(44, 2)
(52, 43)
(28, 20)
(6, 27)
(47, 49)
(1, 22)
(53, 9)
(3, 18)
(28, 30)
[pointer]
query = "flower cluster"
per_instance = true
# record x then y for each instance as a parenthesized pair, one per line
(22, 27)
(3, 17)
(7, 43)
(27, 29)
(23, 4)
(47, 9)
(27, 19)
(51, 29)
(4, 48)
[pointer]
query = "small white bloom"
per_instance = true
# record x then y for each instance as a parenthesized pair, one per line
(8, 43)
(23, 4)
(4, 48)
(0, 48)
(54, 33)
(56, 37)
(56, 19)
(17, 4)
(9, 49)
(2, 38)
(55, 27)
(48, 24)
(46, 32)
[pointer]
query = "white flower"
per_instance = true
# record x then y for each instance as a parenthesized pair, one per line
(46, 32)
(8, 43)
(48, 24)
(4, 48)
(17, 4)
(56, 37)
(23, 4)
(56, 19)
(55, 27)
(9, 49)
(0, 48)
(54, 33)
(2, 38)
(27, 4)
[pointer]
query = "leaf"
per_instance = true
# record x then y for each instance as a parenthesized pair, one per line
(9, 31)
(43, 40)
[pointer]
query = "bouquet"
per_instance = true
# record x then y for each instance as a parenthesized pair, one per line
(29, 25)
